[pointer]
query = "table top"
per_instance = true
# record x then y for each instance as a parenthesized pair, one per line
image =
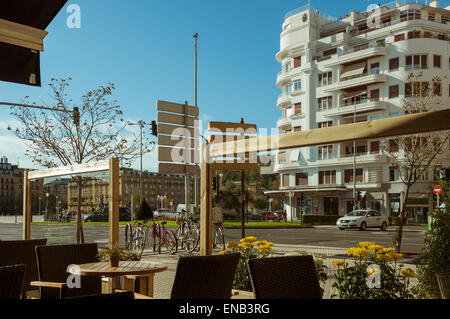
(125, 268)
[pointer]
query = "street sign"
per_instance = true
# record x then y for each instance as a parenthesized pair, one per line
(437, 190)
(178, 135)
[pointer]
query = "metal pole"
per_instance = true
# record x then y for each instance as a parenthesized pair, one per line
(140, 175)
(354, 161)
(195, 104)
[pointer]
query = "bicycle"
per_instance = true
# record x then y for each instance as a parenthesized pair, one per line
(160, 236)
(218, 236)
(135, 239)
(191, 236)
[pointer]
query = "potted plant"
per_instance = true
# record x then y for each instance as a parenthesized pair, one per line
(113, 255)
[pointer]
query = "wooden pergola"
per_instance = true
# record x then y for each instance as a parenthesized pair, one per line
(111, 166)
(396, 126)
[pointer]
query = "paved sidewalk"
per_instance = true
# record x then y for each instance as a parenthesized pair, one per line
(164, 280)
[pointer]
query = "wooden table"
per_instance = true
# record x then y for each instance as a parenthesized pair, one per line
(131, 270)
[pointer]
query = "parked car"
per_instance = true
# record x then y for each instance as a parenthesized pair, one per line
(265, 215)
(362, 219)
(164, 213)
(102, 215)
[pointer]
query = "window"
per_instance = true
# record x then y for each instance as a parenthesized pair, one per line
(324, 124)
(375, 67)
(445, 19)
(393, 146)
(413, 34)
(325, 78)
(416, 89)
(375, 95)
(410, 15)
(297, 108)
(416, 62)
(431, 17)
(297, 62)
(330, 52)
(436, 61)
(394, 64)
(297, 85)
(324, 103)
(374, 147)
(297, 128)
(437, 90)
(348, 175)
(301, 179)
(327, 177)
(282, 157)
(394, 174)
(427, 34)
(325, 152)
(399, 37)
(393, 91)
(287, 90)
(285, 180)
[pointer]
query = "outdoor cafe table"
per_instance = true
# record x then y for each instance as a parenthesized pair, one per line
(129, 269)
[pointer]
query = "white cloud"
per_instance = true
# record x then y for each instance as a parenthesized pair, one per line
(14, 149)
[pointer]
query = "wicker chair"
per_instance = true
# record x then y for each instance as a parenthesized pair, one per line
(291, 277)
(13, 252)
(444, 284)
(52, 268)
(11, 281)
(205, 277)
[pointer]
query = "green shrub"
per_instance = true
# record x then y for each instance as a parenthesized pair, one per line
(435, 257)
(144, 212)
(320, 219)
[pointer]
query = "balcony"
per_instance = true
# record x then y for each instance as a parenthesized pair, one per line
(283, 76)
(284, 123)
(363, 106)
(365, 78)
(363, 52)
(283, 99)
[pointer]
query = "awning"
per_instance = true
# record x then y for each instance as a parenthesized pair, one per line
(355, 69)
(33, 13)
(20, 60)
(305, 190)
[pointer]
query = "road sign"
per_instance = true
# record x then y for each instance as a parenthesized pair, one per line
(177, 138)
(437, 190)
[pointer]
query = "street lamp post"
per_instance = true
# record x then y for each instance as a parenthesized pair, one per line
(39, 213)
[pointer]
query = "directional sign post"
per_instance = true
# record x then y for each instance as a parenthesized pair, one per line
(437, 190)
(178, 151)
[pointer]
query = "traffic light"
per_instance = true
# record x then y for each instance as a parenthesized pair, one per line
(76, 116)
(298, 201)
(154, 128)
(358, 196)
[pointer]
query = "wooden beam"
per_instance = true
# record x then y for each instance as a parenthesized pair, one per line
(176, 108)
(206, 206)
(114, 202)
(170, 168)
(395, 126)
(26, 222)
(22, 35)
(69, 170)
(175, 119)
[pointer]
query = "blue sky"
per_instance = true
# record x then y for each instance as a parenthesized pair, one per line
(146, 49)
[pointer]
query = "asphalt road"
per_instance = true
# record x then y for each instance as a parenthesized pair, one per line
(325, 236)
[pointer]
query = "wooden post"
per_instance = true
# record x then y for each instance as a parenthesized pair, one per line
(26, 222)
(113, 202)
(206, 204)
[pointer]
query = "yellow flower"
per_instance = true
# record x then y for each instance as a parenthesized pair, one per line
(385, 257)
(371, 271)
(365, 244)
(375, 247)
(223, 252)
(401, 265)
(338, 263)
(232, 244)
(388, 250)
(396, 256)
(408, 272)
(248, 239)
(358, 252)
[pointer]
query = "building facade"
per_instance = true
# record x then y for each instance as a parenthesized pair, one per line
(334, 71)
(159, 190)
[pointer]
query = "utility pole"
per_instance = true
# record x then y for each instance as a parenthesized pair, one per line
(141, 126)
(242, 195)
(195, 104)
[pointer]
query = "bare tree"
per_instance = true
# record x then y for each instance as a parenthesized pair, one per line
(54, 138)
(414, 155)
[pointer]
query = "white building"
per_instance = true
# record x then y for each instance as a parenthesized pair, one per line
(329, 68)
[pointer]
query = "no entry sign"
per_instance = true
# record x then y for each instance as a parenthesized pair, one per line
(437, 190)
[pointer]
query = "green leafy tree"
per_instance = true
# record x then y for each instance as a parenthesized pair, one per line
(54, 138)
(144, 211)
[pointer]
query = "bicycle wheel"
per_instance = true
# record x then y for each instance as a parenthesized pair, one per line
(221, 239)
(190, 240)
(170, 242)
(128, 235)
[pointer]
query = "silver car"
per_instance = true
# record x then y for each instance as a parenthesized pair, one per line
(362, 219)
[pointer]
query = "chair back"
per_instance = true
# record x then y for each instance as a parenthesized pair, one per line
(205, 277)
(290, 277)
(11, 281)
(52, 267)
(444, 284)
(13, 252)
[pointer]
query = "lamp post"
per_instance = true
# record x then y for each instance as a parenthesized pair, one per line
(47, 195)
(40, 213)
(354, 147)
